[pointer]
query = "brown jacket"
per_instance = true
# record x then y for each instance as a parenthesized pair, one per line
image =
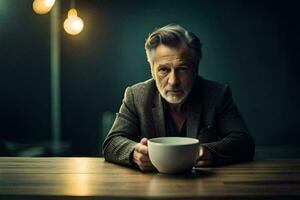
(212, 117)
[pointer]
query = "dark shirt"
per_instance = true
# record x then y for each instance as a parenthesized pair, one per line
(171, 129)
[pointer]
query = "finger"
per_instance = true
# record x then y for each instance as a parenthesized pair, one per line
(142, 149)
(203, 163)
(147, 167)
(144, 141)
(143, 164)
(144, 158)
(146, 164)
(141, 157)
(205, 154)
(201, 152)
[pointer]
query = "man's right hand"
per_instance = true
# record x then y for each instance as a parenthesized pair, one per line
(141, 157)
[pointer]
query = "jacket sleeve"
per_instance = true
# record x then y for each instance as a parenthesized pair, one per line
(235, 143)
(123, 136)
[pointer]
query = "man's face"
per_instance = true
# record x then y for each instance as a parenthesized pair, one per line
(173, 72)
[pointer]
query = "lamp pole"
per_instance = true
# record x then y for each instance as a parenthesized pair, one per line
(55, 77)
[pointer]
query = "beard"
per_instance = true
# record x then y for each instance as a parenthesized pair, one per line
(174, 95)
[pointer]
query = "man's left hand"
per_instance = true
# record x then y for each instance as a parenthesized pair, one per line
(205, 158)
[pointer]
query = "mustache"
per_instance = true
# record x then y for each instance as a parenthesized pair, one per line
(173, 89)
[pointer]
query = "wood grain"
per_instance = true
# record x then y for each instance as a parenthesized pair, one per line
(93, 178)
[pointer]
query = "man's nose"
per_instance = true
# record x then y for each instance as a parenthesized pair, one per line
(173, 79)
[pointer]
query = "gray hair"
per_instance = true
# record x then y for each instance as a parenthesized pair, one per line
(173, 35)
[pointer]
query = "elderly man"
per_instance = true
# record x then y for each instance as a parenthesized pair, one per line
(177, 102)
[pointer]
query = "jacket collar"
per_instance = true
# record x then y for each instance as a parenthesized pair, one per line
(158, 116)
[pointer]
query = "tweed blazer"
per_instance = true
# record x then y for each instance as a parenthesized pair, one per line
(212, 117)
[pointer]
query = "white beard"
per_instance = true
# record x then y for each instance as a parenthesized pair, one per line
(174, 99)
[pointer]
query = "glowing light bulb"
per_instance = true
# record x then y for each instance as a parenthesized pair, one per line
(73, 24)
(42, 6)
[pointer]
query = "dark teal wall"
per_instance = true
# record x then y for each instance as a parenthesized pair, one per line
(251, 45)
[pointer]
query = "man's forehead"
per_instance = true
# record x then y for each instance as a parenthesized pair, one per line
(179, 54)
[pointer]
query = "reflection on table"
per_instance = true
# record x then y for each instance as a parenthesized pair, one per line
(71, 178)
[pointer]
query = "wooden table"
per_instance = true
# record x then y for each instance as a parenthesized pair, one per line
(93, 178)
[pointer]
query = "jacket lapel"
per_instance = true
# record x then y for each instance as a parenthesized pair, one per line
(158, 116)
(194, 110)
(193, 119)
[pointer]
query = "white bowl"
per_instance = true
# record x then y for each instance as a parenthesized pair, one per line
(173, 154)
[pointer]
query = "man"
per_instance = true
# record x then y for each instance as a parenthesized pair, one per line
(177, 102)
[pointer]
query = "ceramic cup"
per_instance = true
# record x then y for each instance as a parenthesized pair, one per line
(173, 154)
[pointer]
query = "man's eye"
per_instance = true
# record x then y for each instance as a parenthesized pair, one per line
(163, 69)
